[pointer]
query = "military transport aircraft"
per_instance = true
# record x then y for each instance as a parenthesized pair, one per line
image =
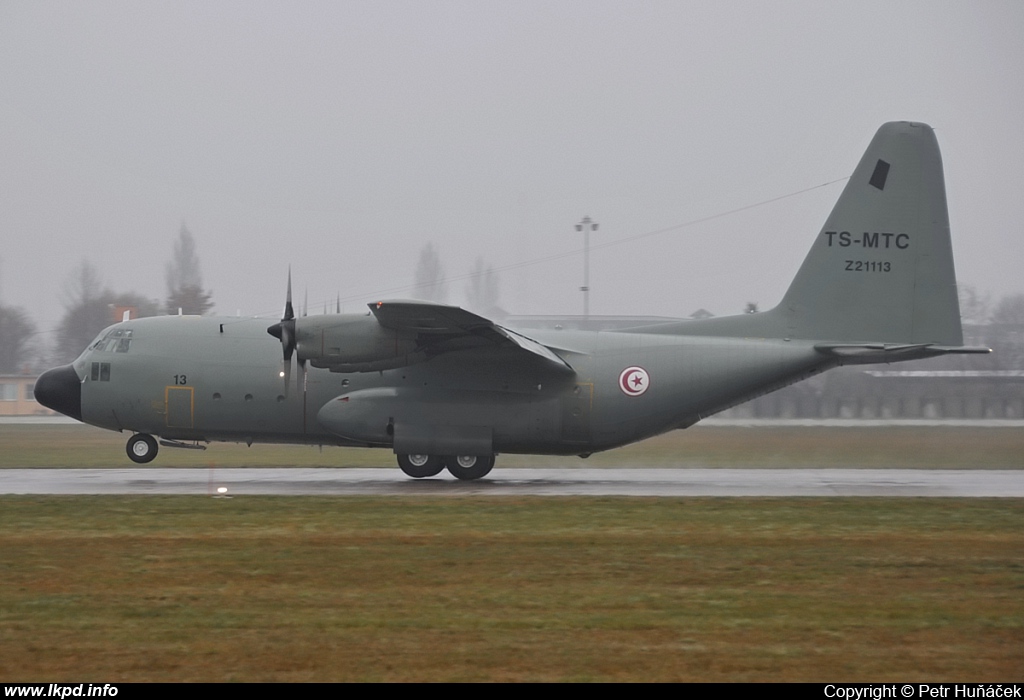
(446, 388)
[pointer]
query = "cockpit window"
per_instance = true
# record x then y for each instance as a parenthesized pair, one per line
(115, 340)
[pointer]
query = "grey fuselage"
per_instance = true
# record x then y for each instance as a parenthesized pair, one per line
(219, 379)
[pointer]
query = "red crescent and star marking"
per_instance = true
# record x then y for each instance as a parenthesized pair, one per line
(634, 381)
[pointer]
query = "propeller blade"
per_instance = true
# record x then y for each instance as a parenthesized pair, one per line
(284, 330)
(288, 338)
(289, 312)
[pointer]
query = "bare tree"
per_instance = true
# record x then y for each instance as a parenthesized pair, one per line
(16, 339)
(185, 279)
(482, 290)
(82, 285)
(1006, 332)
(429, 280)
(85, 313)
(974, 306)
(89, 308)
(1010, 310)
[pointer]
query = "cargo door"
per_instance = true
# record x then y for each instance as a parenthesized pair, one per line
(179, 405)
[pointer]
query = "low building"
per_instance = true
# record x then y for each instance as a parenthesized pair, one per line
(17, 397)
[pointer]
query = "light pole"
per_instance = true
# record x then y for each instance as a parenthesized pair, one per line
(586, 225)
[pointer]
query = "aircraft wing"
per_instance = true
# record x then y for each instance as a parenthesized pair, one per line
(441, 328)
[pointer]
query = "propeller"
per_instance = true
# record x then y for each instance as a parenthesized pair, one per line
(284, 331)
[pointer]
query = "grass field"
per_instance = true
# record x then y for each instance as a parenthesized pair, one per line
(701, 446)
(342, 589)
(292, 589)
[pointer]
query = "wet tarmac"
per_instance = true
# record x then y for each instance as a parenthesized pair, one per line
(520, 482)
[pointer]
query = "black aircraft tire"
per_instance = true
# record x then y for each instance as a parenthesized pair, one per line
(420, 466)
(469, 467)
(141, 448)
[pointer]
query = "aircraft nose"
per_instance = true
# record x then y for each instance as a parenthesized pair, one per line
(61, 390)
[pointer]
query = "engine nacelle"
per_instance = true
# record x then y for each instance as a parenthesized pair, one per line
(353, 343)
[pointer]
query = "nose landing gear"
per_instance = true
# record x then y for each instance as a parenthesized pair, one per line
(141, 448)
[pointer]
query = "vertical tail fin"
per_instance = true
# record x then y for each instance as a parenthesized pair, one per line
(881, 270)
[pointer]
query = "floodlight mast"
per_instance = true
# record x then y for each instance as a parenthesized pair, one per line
(586, 225)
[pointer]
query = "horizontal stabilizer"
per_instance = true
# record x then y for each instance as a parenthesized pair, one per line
(867, 353)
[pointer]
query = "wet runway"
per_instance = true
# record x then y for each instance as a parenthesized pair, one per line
(521, 482)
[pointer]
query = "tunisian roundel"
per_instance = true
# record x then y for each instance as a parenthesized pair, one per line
(634, 381)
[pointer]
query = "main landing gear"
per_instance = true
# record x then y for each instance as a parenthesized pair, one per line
(419, 466)
(141, 448)
(465, 467)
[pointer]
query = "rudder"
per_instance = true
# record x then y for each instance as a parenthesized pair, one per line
(881, 269)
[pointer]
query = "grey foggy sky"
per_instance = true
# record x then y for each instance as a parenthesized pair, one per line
(340, 137)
